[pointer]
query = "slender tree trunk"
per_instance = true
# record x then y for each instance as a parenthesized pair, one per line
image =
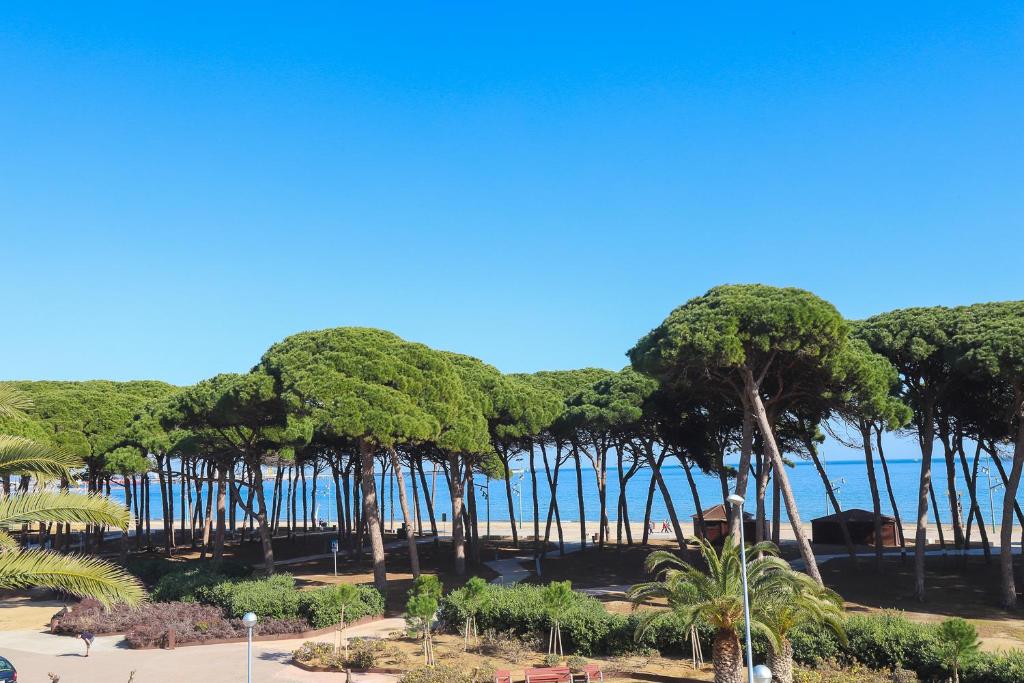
(536, 500)
(768, 439)
(927, 438)
(693, 493)
(972, 487)
(891, 492)
(876, 500)
(761, 472)
(427, 497)
(1006, 532)
(746, 449)
(938, 520)
(503, 455)
(669, 507)
(414, 559)
(458, 532)
(371, 516)
(218, 541)
(843, 526)
(954, 503)
(776, 509)
(579, 497)
(651, 485)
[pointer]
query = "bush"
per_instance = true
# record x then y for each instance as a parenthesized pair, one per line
(995, 668)
(312, 651)
(274, 597)
(441, 673)
(321, 608)
(576, 663)
(183, 585)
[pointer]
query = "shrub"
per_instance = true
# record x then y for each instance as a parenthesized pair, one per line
(441, 673)
(274, 597)
(321, 607)
(312, 651)
(363, 654)
(552, 660)
(576, 663)
(995, 668)
(506, 645)
(183, 585)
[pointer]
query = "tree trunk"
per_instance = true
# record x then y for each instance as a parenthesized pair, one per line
(651, 485)
(1009, 587)
(458, 533)
(669, 507)
(370, 516)
(776, 510)
(693, 493)
(781, 662)
(727, 656)
(843, 526)
(503, 455)
(892, 494)
(536, 502)
(768, 439)
(972, 488)
(876, 500)
(927, 438)
(761, 472)
(579, 496)
(218, 541)
(427, 497)
(414, 559)
(746, 449)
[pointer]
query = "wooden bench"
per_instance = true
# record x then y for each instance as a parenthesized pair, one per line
(502, 676)
(593, 673)
(550, 674)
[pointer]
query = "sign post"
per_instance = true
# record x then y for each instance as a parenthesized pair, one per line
(334, 549)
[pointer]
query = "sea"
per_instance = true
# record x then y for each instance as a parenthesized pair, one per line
(848, 477)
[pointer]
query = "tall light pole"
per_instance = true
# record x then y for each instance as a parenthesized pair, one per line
(737, 501)
(249, 621)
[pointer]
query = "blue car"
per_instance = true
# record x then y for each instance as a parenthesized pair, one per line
(7, 671)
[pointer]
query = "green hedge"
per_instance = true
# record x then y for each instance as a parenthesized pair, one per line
(885, 641)
(273, 597)
(587, 627)
(321, 609)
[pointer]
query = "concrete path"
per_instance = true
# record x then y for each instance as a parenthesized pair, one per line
(515, 569)
(390, 545)
(36, 653)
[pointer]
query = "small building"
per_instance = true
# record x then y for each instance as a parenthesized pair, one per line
(716, 525)
(861, 523)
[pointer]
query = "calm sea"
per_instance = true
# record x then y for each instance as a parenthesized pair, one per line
(848, 477)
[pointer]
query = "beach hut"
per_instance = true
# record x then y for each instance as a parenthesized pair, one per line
(861, 524)
(716, 525)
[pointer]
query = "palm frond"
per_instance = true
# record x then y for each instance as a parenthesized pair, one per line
(7, 541)
(19, 455)
(86, 577)
(60, 506)
(13, 403)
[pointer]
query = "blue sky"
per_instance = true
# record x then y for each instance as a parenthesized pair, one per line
(181, 186)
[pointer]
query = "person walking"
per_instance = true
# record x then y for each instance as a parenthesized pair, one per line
(87, 637)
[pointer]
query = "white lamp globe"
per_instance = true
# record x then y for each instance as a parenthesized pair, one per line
(249, 620)
(762, 674)
(735, 499)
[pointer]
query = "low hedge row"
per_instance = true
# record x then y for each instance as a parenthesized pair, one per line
(275, 597)
(885, 641)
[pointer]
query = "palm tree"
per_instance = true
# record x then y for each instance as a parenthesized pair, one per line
(74, 574)
(715, 596)
(959, 641)
(805, 602)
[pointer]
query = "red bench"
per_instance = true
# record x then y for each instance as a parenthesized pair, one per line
(593, 673)
(502, 676)
(550, 674)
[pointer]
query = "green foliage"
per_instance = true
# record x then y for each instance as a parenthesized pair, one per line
(272, 597)
(576, 663)
(958, 639)
(552, 660)
(184, 585)
(361, 383)
(322, 606)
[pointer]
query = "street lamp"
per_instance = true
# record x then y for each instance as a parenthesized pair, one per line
(249, 621)
(753, 676)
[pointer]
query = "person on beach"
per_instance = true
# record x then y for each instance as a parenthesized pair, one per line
(664, 526)
(650, 527)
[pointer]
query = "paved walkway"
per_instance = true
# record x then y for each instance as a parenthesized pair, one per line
(35, 653)
(515, 569)
(390, 545)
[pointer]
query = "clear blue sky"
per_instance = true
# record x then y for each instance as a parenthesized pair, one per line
(180, 187)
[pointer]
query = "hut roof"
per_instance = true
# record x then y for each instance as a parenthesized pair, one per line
(718, 514)
(854, 515)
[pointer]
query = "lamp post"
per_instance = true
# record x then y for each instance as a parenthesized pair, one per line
(249, 621)
(753, 676)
